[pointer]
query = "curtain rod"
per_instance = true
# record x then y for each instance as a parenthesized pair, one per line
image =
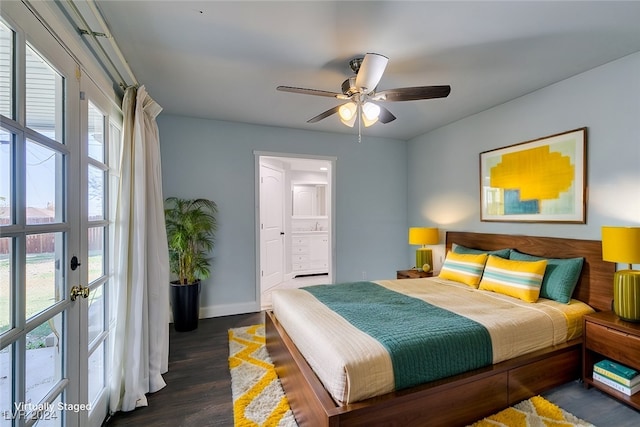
(112, 42)
(92, 36)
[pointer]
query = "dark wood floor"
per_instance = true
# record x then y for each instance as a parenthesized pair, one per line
(198, 391)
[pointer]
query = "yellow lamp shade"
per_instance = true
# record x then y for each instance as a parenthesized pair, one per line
(423, 236)
(621, 244)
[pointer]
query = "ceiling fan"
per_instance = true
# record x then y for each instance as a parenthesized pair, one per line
(362, 97)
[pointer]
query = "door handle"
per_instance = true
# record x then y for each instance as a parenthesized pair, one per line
(282, 233)
(79, 291)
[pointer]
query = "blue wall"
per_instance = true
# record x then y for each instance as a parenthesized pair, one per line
(215, 159)
(606, 100)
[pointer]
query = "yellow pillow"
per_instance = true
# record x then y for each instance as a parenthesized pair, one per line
(463, 268)
(520, 279)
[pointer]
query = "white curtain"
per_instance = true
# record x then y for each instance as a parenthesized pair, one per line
(141, 263)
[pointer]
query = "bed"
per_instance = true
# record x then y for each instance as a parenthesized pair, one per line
(461, 398)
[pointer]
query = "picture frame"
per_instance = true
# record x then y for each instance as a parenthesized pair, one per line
(541, 180)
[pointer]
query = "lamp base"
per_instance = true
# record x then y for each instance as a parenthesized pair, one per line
(424, 256)
(626, 295)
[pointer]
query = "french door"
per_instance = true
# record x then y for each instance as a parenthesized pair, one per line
(55, 231)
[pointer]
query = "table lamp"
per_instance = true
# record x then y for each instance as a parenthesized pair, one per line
(424, 236)
(622, 245)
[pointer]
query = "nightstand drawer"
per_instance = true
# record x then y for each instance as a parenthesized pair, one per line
(612, 343)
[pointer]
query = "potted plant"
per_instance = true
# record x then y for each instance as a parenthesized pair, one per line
(191, 225)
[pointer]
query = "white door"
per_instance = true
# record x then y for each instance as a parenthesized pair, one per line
(100, 136)
(53, 279)
(271, 226)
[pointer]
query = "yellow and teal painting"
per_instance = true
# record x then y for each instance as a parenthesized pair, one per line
(536, 181)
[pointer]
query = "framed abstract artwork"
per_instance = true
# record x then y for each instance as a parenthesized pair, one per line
(542, 180)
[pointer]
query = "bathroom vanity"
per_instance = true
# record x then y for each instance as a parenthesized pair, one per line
(309, 230)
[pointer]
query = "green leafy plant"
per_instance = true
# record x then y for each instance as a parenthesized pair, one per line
(191, 226)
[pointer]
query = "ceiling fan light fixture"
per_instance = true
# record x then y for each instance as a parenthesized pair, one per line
(366, 122)
(370, 113)
(347, 113)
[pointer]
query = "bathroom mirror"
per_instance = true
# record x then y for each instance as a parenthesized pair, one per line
(309, 200)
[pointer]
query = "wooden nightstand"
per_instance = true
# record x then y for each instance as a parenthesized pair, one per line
(412, 274)
(605, 336)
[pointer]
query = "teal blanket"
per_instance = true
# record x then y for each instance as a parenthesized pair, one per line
(425, 342)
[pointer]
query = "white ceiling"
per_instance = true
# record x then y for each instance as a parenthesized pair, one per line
(223, 59)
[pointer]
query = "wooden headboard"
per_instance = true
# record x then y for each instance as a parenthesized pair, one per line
(595, 286)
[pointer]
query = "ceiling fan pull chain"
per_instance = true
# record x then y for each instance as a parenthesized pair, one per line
(359, 118)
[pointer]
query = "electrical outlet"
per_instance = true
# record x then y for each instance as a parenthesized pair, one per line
(364, 275)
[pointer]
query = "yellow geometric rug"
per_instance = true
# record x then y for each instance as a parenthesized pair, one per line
(535, 412)
(258, 398)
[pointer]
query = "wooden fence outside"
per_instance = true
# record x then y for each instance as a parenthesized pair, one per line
(46, 243)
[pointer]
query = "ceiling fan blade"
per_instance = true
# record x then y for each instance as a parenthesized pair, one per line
(371, 71)
(385, 116)
(413, 93)
(324, 115)
(306, 91)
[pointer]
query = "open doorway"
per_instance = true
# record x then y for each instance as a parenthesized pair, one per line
(295, 206)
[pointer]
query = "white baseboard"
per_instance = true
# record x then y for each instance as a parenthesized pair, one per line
(224, 310)
(229, 309)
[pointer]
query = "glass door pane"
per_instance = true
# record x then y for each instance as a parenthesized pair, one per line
(44, 87)
(95, 178)
(6, 70)
(6, 386)
(5, 285)
(95, 133)
(43, 278)
(6, 181)
(96, 374)
(43, 362)
(44, 174)
(96, 255)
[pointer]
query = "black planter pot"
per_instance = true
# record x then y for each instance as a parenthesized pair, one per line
(185, 304)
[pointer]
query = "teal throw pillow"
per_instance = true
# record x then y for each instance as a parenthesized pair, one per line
(459, 249)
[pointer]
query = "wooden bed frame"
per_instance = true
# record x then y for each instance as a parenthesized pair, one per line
(464, 398)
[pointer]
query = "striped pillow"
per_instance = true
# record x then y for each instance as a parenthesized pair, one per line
(520, 279)
(463, 268)
(560, 277)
